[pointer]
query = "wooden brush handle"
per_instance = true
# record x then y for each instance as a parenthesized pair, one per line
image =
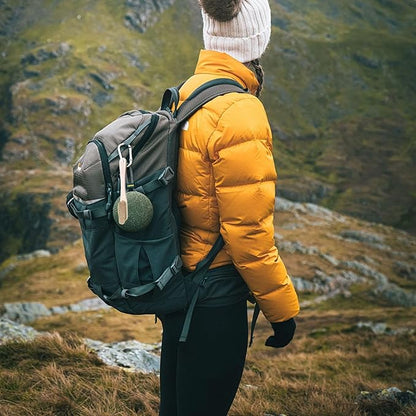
(123, 212)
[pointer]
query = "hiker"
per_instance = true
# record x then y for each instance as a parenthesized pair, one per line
(226, 184)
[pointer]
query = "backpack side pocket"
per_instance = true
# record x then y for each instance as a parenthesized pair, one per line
(98, 239)
(146, 263)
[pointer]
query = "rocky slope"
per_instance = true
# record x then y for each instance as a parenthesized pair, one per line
(340, 94)
(353, 351)
(333, 260)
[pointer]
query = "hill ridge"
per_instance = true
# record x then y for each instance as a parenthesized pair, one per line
(340, 95)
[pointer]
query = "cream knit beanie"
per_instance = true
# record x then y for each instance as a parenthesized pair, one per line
(240, 28)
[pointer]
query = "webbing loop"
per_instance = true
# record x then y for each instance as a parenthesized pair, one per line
(198, 277)
(253, 322)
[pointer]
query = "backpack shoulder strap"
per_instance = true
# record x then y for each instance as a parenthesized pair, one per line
(198, 276)
(205, 93)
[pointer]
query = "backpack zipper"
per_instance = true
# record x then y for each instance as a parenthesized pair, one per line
(106, 172)
(149, 131)
(130, 139)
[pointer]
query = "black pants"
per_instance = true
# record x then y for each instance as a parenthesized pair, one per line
(201, 377)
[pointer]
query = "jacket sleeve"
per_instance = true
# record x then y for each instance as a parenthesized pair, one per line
(240, 149)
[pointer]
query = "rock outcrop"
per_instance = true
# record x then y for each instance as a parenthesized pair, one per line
(25, 223)
(13, 331)
(338, 274)
(130, 355)
(390, 400)
(26, 312)
(143, 14)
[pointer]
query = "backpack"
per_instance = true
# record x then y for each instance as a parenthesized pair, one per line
(123, 197)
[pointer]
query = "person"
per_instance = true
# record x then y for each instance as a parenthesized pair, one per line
(226, 184)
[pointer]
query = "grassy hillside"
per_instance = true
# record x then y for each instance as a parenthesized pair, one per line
(321, 374)
(340, 94)
(335, 355)
(65, 74)
(342, 98)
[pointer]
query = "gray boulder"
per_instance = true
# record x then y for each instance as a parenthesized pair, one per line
(364, 237)
(10, 331)
(132, 355)
(296, 247)
(381, 328)
(390, 398)
(365, 270)
(406, 270)
(25, 312)
(396, 295)
(91, 304)
(143, 14)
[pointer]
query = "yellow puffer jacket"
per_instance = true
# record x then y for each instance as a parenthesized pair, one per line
(226, 183)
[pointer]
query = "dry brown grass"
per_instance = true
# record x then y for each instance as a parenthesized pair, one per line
(322, 372)
(104, 325)
(59, 376)
(50, 280)
(319, 374)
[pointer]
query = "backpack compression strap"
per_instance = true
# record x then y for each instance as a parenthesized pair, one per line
(198, 276)
(256, 313)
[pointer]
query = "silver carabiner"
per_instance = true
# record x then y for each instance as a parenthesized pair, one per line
(120, 146)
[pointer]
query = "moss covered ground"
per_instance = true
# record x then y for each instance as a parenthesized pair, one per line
(340, 94)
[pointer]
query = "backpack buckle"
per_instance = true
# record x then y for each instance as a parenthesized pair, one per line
(176, 265)
(171, 271)
(87, 214)
(70, 206)
(166, 176)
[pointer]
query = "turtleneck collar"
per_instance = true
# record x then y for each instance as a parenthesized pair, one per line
(223, 65)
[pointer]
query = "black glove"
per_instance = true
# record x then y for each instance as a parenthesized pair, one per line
(283, 334)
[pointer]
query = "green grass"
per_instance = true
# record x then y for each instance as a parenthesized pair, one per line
(339, 92)
(340, 95)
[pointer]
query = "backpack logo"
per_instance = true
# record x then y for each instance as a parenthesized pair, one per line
(185, 126)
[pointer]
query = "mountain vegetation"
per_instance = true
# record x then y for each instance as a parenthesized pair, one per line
(341, 98)
(340, 95)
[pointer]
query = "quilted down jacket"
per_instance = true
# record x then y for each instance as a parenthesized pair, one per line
(226, 183)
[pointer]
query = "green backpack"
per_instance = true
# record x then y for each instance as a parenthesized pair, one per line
(123, 196)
